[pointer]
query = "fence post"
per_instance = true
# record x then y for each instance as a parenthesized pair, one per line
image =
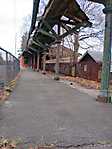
(7, 68)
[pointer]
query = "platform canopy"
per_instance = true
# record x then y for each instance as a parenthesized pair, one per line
(66, 13)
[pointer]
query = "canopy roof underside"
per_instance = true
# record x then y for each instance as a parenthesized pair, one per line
(63, 13)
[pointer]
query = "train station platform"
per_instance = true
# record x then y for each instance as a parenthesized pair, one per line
(41, 110)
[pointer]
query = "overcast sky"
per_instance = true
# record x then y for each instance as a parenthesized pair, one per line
(12, 13)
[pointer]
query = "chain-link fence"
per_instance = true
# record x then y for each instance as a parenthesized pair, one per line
(9, 67)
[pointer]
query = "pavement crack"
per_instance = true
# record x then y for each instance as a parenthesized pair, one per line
(92, 144)
(75, 146)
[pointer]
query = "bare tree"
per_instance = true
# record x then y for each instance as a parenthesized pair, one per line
(24, 32)
(26, 24)
(42, 6)
(24, 40)
(89, 38)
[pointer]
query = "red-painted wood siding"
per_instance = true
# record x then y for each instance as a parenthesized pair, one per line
(92, 69)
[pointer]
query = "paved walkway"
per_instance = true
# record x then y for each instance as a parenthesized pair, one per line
(43, 110)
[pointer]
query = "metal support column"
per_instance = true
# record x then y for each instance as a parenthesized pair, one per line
(56, 77)
(34, 62)
(31, 61)
(14, 68)
(38, 61)
(104, 95)
(44, 64)
(75, 56)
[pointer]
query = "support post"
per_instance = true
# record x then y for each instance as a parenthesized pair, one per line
(14, 68)
(56, 77)
(34, 62)
(7, 69)
(75, 56)
(38, 61)
(31, 61)
(104, 95)
(44, 64)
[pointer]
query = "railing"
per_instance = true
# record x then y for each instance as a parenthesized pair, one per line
(9, 67)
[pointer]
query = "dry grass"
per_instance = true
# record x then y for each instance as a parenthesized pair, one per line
(83, 82)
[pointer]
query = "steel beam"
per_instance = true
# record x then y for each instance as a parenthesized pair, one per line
(68, 22)
(50, 28)
(46, 33)
(38, 43)
(71, 31)
(34, 15)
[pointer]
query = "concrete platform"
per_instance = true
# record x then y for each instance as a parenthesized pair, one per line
(41, 110)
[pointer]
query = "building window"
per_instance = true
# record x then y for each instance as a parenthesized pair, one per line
(85, 68)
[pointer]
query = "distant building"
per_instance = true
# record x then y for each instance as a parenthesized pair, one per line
(89, 66)
(64, 52)
(23, 64)
(66, 59)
